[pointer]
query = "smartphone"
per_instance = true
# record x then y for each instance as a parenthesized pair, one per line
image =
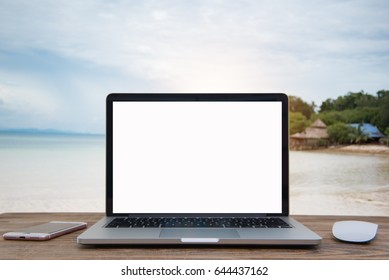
(45, 231)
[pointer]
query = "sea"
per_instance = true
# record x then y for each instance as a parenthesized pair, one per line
(52, 172)
(66, 173)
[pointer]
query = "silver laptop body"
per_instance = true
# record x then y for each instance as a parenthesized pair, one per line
(214, 168)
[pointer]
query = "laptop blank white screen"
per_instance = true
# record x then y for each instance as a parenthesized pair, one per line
(197, 157)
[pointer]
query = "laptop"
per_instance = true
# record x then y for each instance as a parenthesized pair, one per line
(197, 169)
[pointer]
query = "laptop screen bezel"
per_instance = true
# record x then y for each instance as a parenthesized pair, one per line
(194, 97)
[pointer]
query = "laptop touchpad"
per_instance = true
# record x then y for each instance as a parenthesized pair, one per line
(198, 233)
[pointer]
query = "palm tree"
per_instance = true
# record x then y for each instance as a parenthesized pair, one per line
(361, 137)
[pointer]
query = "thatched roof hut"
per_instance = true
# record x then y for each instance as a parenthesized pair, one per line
(318, 130)
(312, 137)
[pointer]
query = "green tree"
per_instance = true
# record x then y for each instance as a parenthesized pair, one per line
(357, 107)
(331, 117)
(298, 122)
(386, 139)
(366, 100)
(327, 105)
(360, 136)
(340, 133)
(296, 104)
(349, 101)
(383, 100)
(352, 100)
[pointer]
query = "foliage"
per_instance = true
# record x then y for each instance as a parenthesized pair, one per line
(351, 100)
(300, 113)
(298, 122)
(357, 107)
(383, 99)
(296, 104)
(353, 107)
(357, 115)
(340, 133)
(360, 136)
(386, 139)
(387, 132)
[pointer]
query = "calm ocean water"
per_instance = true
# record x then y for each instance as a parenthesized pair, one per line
(55, 173)
(52, 173)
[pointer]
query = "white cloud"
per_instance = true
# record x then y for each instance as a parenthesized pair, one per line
(24, 96)
(314, 49)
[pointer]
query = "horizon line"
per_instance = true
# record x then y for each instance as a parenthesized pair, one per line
(47, 131)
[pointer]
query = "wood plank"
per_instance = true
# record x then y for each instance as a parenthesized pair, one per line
(65, 247)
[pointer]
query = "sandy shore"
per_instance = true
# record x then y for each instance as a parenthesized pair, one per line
(369, 149)
(359, 203)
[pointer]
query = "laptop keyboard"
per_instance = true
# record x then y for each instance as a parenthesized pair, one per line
(198, 223)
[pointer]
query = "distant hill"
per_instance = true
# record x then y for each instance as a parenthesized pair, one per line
(44, 131)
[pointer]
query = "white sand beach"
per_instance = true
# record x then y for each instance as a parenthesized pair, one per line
(333, 182)
(370, 148)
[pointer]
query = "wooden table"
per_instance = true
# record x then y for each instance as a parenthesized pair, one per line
(65, 247)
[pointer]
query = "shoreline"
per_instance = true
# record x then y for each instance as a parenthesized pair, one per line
(372, 149)
(365, 149)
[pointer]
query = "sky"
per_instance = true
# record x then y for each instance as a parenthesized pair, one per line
(59, 59)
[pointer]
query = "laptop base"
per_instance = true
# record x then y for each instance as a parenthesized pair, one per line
(98, 234)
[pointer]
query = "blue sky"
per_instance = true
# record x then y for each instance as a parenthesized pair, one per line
(59, 59)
